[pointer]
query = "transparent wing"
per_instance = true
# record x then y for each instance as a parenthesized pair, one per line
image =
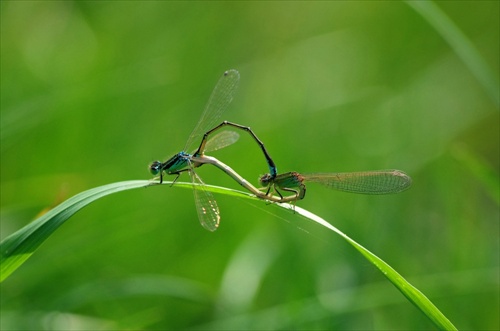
(206, 206)
(220, 98)
(367, 182)
(221, 140)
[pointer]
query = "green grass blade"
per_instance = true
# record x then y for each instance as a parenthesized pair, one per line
(409, 291)
(18, 247)
(462, 46)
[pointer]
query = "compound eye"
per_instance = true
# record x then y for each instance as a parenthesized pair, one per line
(264, 179)
(155, 168)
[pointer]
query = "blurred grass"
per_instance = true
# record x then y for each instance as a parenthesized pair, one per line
(92, 92)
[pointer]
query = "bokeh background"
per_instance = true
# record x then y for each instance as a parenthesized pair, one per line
(92, 92)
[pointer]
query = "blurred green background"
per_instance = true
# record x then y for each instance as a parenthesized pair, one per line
(92, 92)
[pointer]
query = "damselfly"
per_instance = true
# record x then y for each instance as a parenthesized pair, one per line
(222, 95)
(367, 182)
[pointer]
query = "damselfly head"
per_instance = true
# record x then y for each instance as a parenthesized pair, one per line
(155, 168)
(265, 180)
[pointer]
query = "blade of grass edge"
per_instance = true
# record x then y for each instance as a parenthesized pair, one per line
(19, 246)
(460, 44)
(409, 291)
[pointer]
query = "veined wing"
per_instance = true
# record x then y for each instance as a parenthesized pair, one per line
(367, 182)
(206, 206)
(220, 98)
(221, 140)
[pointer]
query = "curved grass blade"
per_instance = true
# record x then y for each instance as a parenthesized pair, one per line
(19, 246)
(408, 290)
(461, 45)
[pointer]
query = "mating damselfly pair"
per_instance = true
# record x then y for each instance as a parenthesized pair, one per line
(369, 182)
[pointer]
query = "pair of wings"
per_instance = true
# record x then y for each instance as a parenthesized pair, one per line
(221, 97)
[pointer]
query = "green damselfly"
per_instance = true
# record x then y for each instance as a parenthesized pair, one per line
(366, 182)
